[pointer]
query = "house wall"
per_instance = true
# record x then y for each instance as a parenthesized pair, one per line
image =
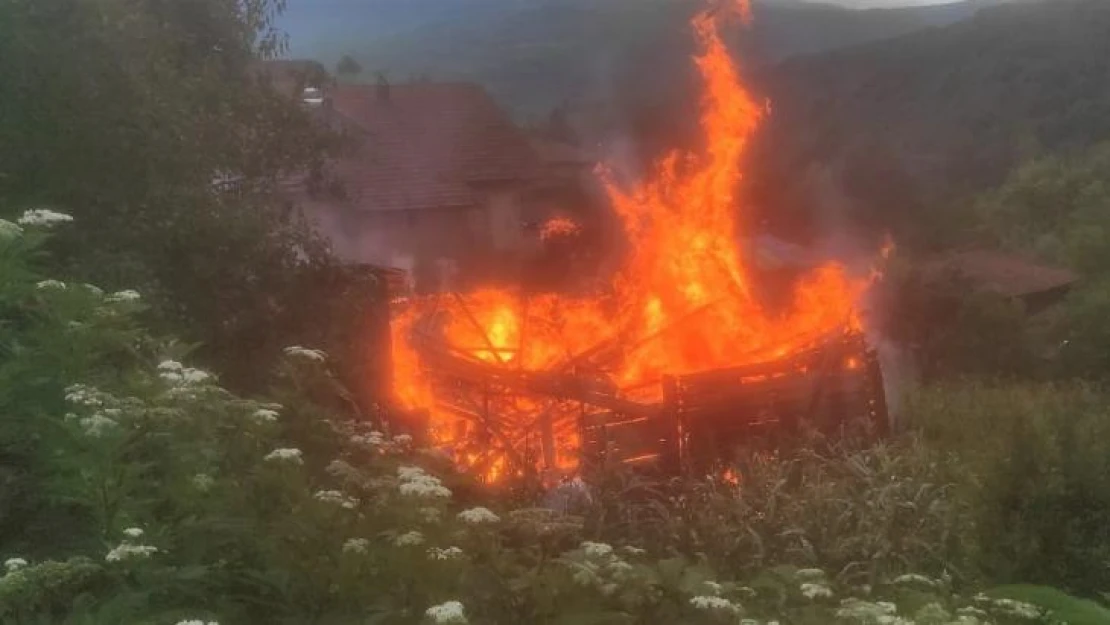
(487, 234)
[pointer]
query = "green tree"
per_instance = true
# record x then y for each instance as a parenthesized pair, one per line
(122, 114)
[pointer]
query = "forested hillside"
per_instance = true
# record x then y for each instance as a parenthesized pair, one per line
(895, 130)
(536, 54)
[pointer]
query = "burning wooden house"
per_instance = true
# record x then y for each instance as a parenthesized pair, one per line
(673, 362)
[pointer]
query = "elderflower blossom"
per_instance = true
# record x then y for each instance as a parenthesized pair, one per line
(409, 539)
(713, 587)
(292, 455)
(203, 482)
(303, 352)
(596, 550)
(705, 602)
(373, 439)
(43, 217)
(970, 612)
(128, 295)
(356, 545)
(133, 532)
(336, 497)
(912, 579)
(932, 612)
(54, 285)
(478, 516)
(858, 610)
(264, 415)
(9, 231)
(450, 612)
(430, 515)
(127, 551)
(1017, 609)
(14, 564)
(416, 483)
(176, 373)
(815, 591)
(84, 395)
(633, 551)
(196, 622)
(97, 425)
(450, 553)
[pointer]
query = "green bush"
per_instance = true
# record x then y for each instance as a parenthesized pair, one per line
(1036, 471)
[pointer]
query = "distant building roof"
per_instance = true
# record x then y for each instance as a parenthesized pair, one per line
(1006, 274)
(426, 145)
(552, 152)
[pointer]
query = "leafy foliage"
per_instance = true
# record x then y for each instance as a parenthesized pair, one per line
(138, 490)
(123, 114)
(1035, 464)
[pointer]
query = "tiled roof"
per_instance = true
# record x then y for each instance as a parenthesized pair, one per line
(426, 144)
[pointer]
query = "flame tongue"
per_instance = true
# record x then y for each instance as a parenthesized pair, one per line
(684, 299)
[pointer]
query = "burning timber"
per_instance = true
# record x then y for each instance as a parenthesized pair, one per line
(573, 417)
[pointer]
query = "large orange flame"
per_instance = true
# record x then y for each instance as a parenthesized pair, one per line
(684, 300)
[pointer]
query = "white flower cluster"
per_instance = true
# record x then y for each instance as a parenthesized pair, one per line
(14, 564)
(105, 417)
(356, 545)
(9, 231)
(84, 395)
(596, 550)
(179, 375)
(122, 297)
(127, 550)
(409, 539)
(914, 579)
(264, 415)
(447, 613)
(97, 424)
(815, 591)
(337, 498)
(430, 515)
(373, 439)
(297, 351)
(878, 612)
(416, 483)
(285, 454)
(43, 217)
(599, 566)
(197, 622)
(1011, 607)
(450, 553)
(203, 482)
(51, 285)
(478, 516)
(706, 602)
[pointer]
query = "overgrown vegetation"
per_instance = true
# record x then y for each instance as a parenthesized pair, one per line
(138, 486)
(138, 490)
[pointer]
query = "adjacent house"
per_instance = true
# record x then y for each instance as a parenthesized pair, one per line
(436, 180)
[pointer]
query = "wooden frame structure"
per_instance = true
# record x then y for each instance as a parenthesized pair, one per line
(572, 416)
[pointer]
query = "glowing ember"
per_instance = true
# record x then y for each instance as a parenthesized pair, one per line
(559, 227)
(682, 303)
